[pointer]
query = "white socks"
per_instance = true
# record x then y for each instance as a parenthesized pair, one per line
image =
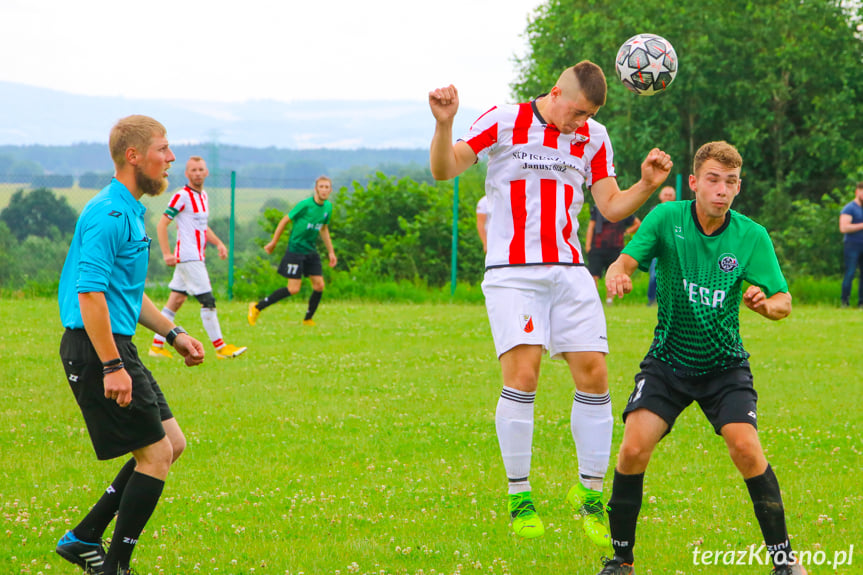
(211, 325)
(592, 424)
(158, 340)
(513, 420)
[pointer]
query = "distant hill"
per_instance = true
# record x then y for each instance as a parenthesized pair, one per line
(81, 158)
(39, 116)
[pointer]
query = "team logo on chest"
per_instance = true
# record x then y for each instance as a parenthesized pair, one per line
(728, 262)
(578, 142)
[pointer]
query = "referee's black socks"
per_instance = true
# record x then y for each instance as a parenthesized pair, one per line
(136, 506)
(91, 528)
(770, 512)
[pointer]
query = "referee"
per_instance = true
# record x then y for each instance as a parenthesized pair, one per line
(102, 300)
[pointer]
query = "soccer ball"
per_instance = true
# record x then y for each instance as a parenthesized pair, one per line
(646, 64)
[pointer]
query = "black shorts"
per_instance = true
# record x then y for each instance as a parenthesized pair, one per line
(599, 259)
(296, 266)
(114, 430)
(724, 397)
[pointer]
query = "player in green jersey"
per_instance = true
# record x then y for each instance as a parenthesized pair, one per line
(311, 218)
(705, 251)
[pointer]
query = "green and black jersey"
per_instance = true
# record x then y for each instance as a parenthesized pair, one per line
(308, 218)
(699, 279)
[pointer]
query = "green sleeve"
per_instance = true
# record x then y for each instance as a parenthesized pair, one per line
(297, 211)
(763, 269)
(644, 243)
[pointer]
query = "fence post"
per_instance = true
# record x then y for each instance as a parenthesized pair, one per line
(231, 226)
(454, 264)
(679, 187)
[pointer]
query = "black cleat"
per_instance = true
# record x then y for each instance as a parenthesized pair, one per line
(615, 566)
(88, 556)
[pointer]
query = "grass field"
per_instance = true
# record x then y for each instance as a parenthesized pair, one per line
(366, 445)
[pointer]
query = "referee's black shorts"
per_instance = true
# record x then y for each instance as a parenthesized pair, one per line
(296, 266)
(725, 397)
(114, 430)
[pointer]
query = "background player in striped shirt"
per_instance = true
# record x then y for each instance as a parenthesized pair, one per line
(190, 209)
(705, 251)
(538, 293)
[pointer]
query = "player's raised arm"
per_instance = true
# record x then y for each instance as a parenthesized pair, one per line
(616, 204)
(447, 160)
(775, 307)
(618, 278)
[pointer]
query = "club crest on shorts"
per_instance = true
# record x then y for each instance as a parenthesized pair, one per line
(728, 262)
(526, 322)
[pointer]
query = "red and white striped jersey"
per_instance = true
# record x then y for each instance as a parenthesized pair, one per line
(189, 209)
(534, 183)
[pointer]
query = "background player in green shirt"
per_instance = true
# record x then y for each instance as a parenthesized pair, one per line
(310, 218)
(704, 251)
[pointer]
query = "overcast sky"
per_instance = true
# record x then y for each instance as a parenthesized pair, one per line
(260, 49)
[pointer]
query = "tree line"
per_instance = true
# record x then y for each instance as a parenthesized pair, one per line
(89, 165)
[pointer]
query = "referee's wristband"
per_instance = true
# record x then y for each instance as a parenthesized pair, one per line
(172, 335)
(112, 365)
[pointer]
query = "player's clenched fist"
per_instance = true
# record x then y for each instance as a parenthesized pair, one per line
(444, 103)
(656, 167)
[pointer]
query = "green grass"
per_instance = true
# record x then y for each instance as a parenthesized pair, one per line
(367, 445)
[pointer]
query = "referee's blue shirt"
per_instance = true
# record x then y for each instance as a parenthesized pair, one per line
(109, 253)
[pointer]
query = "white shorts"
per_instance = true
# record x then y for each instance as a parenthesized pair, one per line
(191, 278)
(556, 307)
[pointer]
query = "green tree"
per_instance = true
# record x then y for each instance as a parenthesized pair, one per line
(776, 78)
(39, 213)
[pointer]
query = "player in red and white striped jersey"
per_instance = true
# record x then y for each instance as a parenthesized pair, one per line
(538, 293)
(190, 210)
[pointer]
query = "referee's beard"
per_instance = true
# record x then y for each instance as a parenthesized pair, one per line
(149, 186)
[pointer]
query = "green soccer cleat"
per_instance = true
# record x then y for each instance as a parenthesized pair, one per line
(588, 504)
(525, 522)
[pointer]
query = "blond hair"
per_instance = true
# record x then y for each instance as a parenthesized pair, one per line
(323, 179)
(720, 151)
(133, 132)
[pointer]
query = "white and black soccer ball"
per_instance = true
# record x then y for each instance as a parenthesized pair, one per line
(646, 64)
